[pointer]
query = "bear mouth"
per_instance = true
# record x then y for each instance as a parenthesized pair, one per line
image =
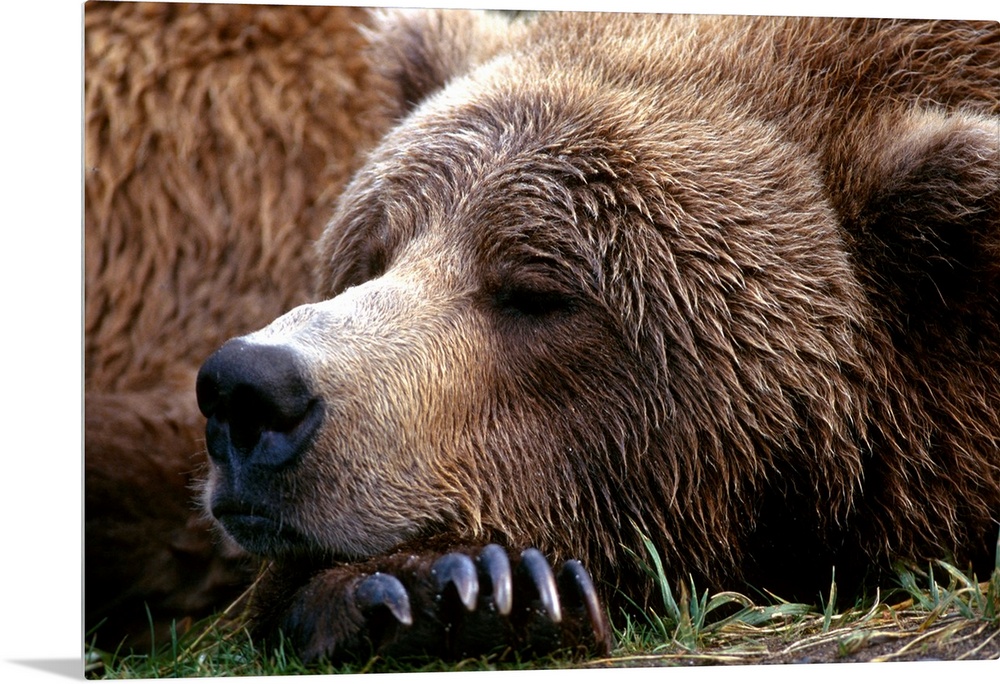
(259, 532)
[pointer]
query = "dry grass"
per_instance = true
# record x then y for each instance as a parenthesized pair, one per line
(883, 633)
(941, 613)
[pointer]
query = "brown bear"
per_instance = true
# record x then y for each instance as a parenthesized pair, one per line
(727, 282)
(216, 138)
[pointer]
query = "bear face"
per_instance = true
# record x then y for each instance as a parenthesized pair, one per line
(618, 274)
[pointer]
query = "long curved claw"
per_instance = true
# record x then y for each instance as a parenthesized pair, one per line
(457, 569)
(575, 585)
(493, 559)
(380, 589)
(537, 568)
(525, 608)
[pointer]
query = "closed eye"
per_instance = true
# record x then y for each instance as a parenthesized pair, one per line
(531, 301)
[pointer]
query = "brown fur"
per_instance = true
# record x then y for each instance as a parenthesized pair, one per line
(728, 281)
(217, 137)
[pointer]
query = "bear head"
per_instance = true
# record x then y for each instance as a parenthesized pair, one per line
(560, 307)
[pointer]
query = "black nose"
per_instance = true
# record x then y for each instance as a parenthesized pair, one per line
(259, 406)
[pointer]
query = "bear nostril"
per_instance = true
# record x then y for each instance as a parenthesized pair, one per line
(248, 413)
(254, 410)
(258, 403)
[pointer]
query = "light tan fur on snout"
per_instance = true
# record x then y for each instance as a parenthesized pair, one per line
(399, 364)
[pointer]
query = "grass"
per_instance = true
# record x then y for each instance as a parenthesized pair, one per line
(921, 618)
(945, 614)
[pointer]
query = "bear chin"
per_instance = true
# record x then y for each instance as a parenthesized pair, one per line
(261, 535)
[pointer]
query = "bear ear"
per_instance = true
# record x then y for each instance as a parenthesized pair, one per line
(419, 51)
(930, 197)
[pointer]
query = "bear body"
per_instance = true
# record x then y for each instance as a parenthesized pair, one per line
(725, 282)
(216, 139)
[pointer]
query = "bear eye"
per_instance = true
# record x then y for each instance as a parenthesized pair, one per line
(531, 301)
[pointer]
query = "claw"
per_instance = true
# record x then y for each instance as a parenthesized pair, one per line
(380, 589)
(458, 569)
(534, 563)
(574, 580)
(494, 561)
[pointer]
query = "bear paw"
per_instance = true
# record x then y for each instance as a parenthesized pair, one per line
(457, 605)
